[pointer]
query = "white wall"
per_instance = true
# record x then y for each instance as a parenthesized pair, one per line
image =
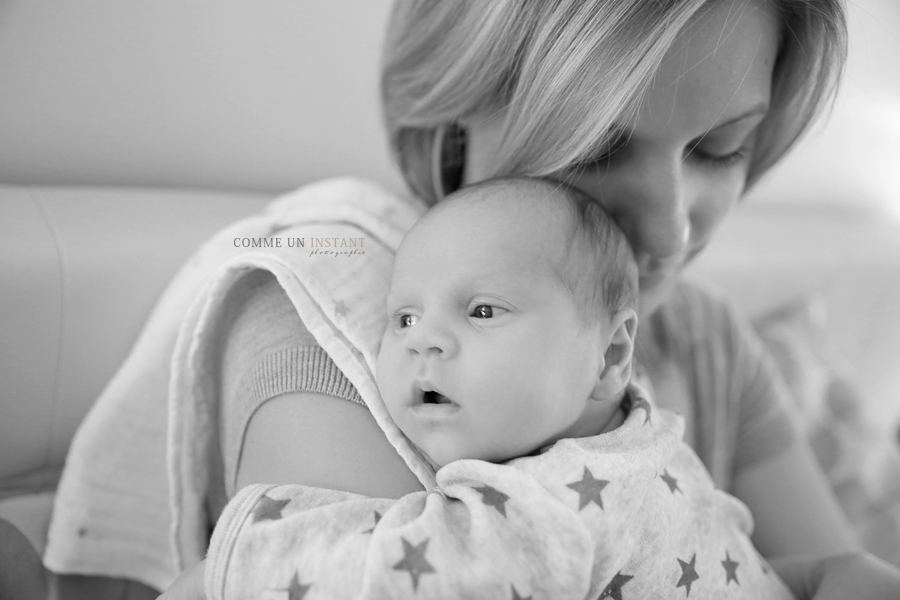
(224, 94)
(854, 156)
(269, 95)
(825, 224)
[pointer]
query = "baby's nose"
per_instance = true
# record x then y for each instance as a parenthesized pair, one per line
(428, 339)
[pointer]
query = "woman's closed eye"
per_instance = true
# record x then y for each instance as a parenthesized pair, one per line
(722, 161)
(729, 146)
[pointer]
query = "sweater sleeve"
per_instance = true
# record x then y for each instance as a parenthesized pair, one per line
(767, 425)
(741, 406)
(267, 352)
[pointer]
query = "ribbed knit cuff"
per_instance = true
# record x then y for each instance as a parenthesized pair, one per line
(306, 369)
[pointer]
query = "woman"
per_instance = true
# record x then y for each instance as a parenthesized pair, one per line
(664, 112)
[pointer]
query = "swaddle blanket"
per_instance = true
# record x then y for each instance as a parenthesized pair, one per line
(627, 514)
(132, 502)
(123, 508)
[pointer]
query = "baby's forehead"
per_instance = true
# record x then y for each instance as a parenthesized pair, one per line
(538, 210)
(500, 229)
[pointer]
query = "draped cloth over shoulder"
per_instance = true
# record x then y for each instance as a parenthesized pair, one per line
(132, 499)
(630, 513)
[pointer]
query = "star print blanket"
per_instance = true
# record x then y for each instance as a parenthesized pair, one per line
(627, 514)
(123, 509)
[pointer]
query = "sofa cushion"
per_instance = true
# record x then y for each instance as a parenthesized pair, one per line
(80, 270)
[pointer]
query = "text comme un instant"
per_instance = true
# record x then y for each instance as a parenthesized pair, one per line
(276, 242)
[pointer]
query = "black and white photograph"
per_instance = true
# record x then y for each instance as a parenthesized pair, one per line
(450, 299)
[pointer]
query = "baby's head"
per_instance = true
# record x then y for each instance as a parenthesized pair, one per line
(511, 322)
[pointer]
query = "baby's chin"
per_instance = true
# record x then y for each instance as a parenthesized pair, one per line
(439, 457)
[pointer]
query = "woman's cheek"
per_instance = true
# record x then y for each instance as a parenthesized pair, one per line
(708, 214)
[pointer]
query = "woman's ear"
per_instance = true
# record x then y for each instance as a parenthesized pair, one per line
(616, 372)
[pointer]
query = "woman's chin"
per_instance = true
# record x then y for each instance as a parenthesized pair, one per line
(654, 294)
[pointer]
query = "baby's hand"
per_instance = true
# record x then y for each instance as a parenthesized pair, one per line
(858, 575)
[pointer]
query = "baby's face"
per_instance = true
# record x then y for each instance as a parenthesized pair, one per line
(485, 355)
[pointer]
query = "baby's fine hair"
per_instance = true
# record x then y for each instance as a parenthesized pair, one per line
(599, 268)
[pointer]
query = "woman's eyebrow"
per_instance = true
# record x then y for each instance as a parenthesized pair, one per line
(760, 108)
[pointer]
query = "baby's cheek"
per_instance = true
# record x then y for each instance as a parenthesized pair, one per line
(386, 376)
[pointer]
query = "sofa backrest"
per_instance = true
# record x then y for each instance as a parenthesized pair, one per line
(80, 269)
(221, 94)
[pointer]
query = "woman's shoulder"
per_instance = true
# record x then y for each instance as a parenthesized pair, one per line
(262, 318)
(691, 294)
(697, 311)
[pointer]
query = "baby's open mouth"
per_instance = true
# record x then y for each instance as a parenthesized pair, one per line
(431, 404)
(432, 397)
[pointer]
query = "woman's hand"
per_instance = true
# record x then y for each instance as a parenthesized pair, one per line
(188, 586)
(856, 575)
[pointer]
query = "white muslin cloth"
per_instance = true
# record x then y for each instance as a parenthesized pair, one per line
(131, 499)
(630, 513)
(627, 514)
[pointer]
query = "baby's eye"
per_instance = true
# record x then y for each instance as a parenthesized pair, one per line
(407, 321)
(483, 311)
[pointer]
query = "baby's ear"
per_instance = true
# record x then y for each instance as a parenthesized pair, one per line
(618, 356)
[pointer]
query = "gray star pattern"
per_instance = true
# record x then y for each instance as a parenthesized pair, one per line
(414, 561)
(269, 509)
(516, 596)
(688, 574)
(377, 519)
(670, 481)
(614, 589)
(730, 569)
(341, 308)
(297, 590)
(589, 489)
(492, 497)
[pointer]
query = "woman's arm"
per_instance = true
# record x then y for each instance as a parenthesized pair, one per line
(322, 441)
(794, 510)
(856, 575)
(773, 470)
(316, 440)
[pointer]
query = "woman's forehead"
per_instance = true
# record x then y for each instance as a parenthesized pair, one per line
(719, 69)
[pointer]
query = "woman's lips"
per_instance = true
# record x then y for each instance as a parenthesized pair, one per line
(653, 279)
(654, 272)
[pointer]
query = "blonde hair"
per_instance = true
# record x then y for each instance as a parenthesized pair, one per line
(564, 72)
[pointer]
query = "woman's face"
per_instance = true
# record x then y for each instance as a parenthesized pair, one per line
(680, 166)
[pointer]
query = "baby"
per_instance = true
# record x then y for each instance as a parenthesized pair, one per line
(511, 323)
(510, 335)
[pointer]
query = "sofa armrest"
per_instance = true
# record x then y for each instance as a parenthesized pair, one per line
(80, 271)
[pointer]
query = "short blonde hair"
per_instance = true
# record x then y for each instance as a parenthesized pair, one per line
(565, 71)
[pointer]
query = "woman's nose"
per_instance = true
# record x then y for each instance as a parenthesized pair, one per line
(652, 207)
(655, 216)
(428, 338)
